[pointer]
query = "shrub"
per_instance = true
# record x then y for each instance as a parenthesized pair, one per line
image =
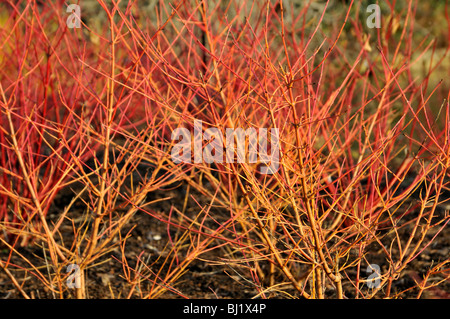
(363, 162)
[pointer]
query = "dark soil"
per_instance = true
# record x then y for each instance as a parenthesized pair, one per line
(202, 279)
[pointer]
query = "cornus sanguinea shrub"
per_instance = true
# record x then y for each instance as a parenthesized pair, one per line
(320, 167)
